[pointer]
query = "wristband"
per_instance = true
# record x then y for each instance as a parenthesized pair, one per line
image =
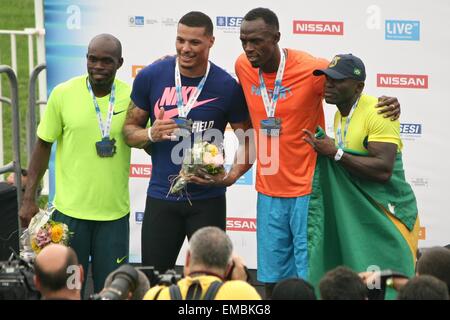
(149, 133)
(338, 155)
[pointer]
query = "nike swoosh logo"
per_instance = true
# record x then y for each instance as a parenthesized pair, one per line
(168, 114)
(120, 260)
(115, 113)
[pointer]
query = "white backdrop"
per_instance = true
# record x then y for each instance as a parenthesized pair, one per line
(404, 44)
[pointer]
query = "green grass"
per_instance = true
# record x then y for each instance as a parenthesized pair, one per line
(16, 15)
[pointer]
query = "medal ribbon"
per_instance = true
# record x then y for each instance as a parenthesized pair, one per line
(347, 122)
(183, 110)
(105, 128)
(270, 106)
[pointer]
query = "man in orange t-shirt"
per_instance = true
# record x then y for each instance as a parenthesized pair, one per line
(291, 102)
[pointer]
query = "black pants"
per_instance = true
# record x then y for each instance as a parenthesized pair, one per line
(167, 223)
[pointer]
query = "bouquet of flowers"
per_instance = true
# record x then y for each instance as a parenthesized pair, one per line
(202, 158)
(43, 231)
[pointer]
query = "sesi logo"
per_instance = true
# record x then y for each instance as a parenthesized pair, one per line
(410, 131)
(241, 224)
(318, 27)
(411, 128)
(402, 30)
(402, 81)
(140, 170)
(222, 21)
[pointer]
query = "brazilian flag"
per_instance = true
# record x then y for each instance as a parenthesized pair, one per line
(359, 223)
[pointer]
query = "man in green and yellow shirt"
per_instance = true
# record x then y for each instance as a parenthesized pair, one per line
(85, 115)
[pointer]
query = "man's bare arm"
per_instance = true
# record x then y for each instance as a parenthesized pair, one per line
(377, 166)
(245, 154)
(135, 133)
(36, 170)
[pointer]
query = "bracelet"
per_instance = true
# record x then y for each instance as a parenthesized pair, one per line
(338, 154)
(149, 133)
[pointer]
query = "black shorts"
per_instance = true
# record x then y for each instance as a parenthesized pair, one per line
(167, 223)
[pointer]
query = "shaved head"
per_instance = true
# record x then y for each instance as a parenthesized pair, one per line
(106, 40)
(104, 58)
(51, 266)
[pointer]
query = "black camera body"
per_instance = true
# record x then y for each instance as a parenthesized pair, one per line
(16, 280)
(166, 279)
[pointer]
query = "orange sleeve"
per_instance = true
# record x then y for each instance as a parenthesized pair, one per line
(238, 66)
(319, 82)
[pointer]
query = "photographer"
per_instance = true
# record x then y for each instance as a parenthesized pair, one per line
(209, 263)
(58, 274)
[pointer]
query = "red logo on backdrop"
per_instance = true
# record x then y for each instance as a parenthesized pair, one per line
(402, 81)
(319, 27)
(140, 170)
(241, 224)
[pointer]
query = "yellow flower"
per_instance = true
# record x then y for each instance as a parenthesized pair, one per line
(34, 246)
(57, 233)
(212, 149)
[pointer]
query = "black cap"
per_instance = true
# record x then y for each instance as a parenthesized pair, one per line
(344, 66)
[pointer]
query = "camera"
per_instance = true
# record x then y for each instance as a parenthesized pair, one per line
(16, 280)
(166, 279)
(125, 280)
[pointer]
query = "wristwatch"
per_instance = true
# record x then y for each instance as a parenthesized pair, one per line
(338, 154)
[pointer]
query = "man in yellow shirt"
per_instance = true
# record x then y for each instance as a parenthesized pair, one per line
(209, 262)
(368, 134)
(364, 214)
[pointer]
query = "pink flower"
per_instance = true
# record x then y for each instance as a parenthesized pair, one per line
(43, 238)
(218, 160)
(207, 158)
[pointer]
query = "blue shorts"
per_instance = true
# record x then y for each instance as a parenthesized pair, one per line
(282, 238)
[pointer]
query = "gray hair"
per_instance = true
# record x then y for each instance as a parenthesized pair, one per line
(211, 247)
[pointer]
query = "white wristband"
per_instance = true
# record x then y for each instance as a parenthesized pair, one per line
(338, 155)
(149, 133)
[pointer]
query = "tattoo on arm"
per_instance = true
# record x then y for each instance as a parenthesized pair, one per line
(135, 122)
(131, 106)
